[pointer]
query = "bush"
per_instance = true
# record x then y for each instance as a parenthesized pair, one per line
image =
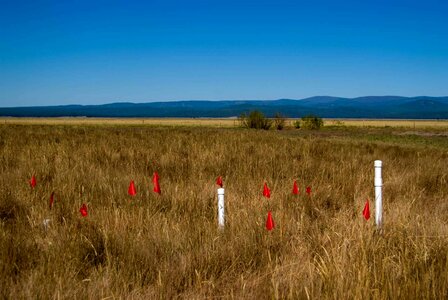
(310, 122)
(279, 121)
(297, 124)
(255, 119)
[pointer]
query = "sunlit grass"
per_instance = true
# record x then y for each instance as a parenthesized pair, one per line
(166, 246)
(220, 122)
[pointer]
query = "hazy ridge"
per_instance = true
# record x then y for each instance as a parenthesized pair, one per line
(393, 107)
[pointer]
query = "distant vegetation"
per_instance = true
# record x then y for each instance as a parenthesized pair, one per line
(279, 121)
(387, 107)
(255, 119)
(310, 122)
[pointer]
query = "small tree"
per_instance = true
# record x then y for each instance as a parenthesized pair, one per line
(279, 121)
(255, 119)
(311, 122)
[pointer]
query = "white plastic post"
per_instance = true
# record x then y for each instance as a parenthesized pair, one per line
(378, 194)
(221, 208)
(46, 223)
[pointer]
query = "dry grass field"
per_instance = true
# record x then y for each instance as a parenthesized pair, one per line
(81, 121)
(219, 122)
(168, 246)
(415, 124)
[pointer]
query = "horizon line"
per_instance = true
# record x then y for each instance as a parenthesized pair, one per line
(221, 100)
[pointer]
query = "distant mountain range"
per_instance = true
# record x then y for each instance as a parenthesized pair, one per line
(388, 107)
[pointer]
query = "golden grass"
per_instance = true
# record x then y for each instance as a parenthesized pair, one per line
(169, 246)
(175, 122)
(217, 122)
(416, 124)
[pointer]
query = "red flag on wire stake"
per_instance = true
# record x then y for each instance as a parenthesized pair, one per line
(266, 191)
(295, 189)
(51, 200)
(155, 181)
(131, 189)
(366, 210)
(83, 210)
(33, 181)
(308, 191)
(270, 222)
(219, 181)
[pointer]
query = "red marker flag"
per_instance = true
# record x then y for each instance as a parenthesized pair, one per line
(155, 181)
(270, 222)
(295, 189)
(219, 181)
(266, 191)
(33, 181)
(308, 190)
(366, 210)
(83, 210)
(51, 200)
(131, 189)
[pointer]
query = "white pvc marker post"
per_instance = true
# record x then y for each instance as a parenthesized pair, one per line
(221, 208)
(378, 194)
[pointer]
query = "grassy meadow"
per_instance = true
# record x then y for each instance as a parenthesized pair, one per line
(219, 122)
(168, 246)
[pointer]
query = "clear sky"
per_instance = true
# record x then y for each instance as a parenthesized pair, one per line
(92, 52)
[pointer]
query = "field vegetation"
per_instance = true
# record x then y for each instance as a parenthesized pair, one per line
(169, 245)
(224, 122)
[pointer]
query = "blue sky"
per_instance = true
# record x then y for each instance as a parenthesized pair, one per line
(66, 52)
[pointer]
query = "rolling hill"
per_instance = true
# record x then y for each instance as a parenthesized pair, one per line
(390, 107)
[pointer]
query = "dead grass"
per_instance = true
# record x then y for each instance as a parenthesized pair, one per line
(169, 246)
(173, 122)
(413, 124)
(219, 122)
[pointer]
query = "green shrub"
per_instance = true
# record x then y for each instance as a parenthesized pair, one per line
(311, 122)
(255, 119)
(279, 121)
